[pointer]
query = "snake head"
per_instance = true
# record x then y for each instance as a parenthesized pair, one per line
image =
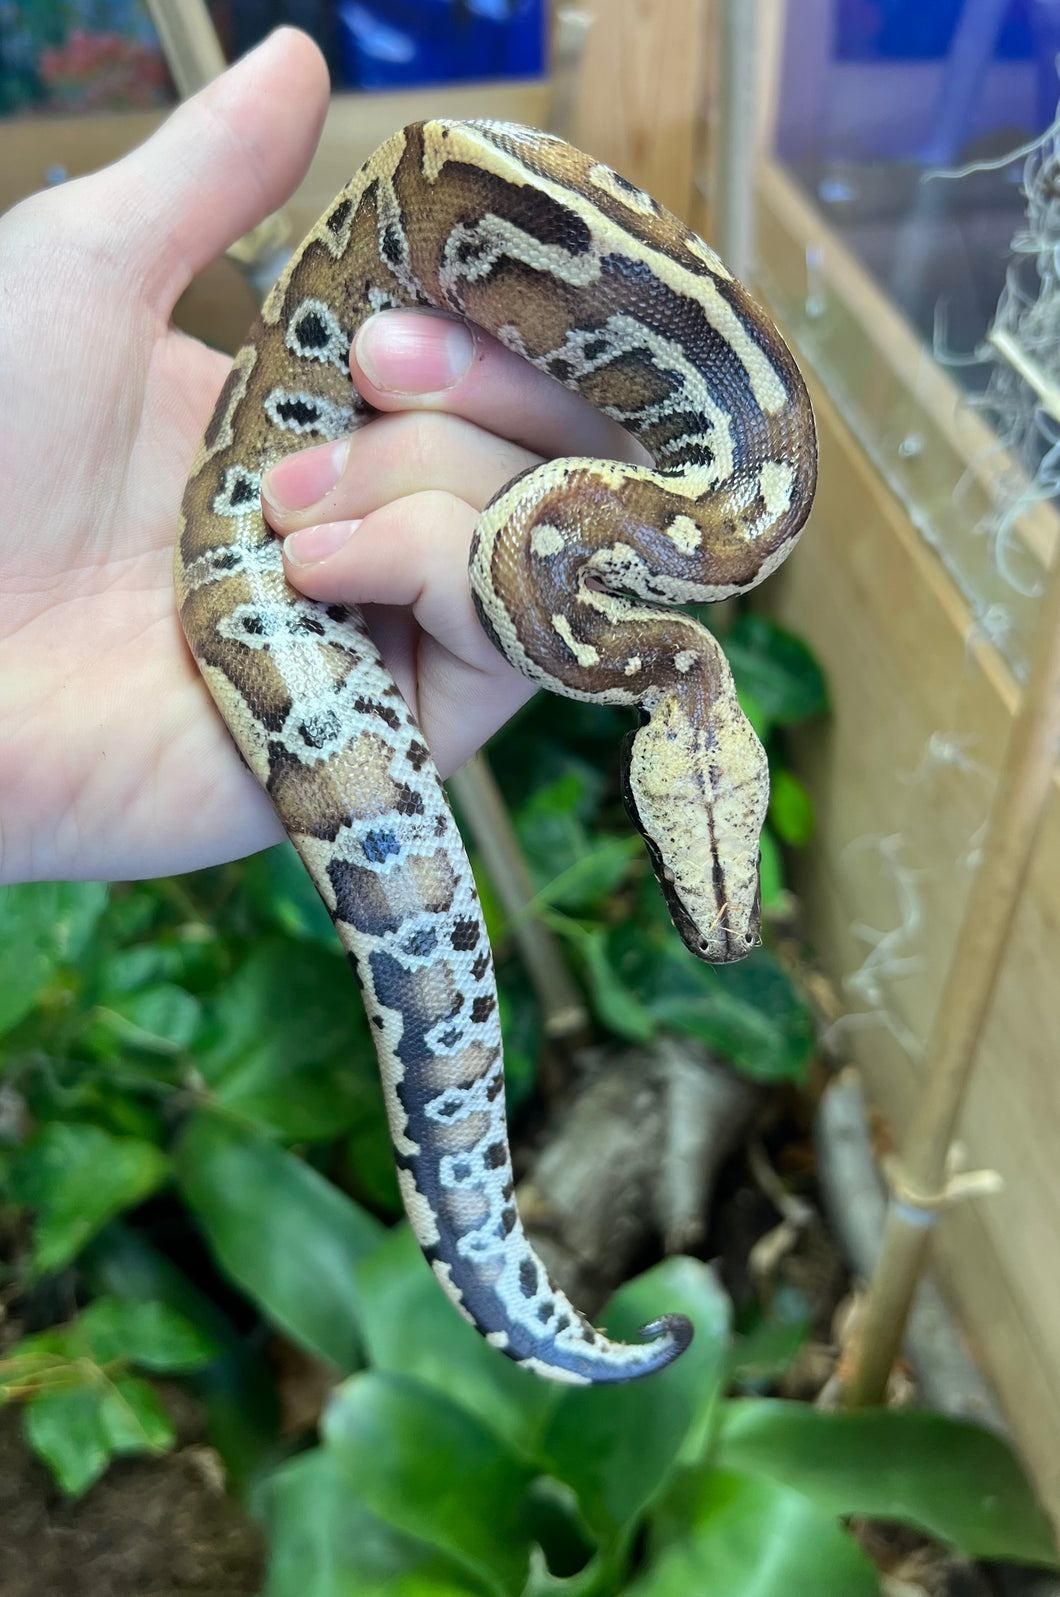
(696, 784)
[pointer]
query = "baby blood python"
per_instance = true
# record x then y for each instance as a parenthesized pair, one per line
(573, 569)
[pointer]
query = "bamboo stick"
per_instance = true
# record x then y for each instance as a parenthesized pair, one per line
(919, 1189)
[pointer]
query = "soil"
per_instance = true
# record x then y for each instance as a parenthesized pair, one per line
(150, 1528)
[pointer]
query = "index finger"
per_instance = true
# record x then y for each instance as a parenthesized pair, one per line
(427, 360)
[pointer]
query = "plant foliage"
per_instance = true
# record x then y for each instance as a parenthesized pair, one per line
(194, 1160)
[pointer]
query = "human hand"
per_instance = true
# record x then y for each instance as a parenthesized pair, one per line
(385, 519)
(113, 760)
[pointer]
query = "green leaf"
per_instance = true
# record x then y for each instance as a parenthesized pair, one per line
(616, 1006)
(133, 1417)
(617, 1445)
(43, 925)
(288, 1044)
(411, 1328)
(159, 1020)
(952, 1480)
(751, 1012)
(750, 1537)
(776, 669)
(66, 1430)
(790, 809)
(288, 1237)
(325, 1542)
(278, 887)
(148, 1334)
(78, 1429)
(237, 1390)
(770, 870)
(431, 1470)
(77, 1177)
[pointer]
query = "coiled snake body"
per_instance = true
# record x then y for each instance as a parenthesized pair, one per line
(591, 281)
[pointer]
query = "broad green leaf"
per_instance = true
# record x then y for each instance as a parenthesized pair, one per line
(150, 1335)
(133, 1417)
(43, 925)
(236, 1389)
(288, 1237)
(288, 1045)
(162, 1019)
(433, 1471)
(750, 1012)
(617, 1007)
(66, 1430)
(750, 1537)
(411, 1328)
(585, 884)
(790, 809)
(617, 1445)
(325, 1542)
(278, 887)
(954, 1481)
(77, 1177)
(776, 669)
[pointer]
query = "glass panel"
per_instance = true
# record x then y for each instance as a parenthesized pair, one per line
(923, 185)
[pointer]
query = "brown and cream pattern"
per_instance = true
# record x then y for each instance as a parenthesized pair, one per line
(572, 569)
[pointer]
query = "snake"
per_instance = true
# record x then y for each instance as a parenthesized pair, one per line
(578, 568)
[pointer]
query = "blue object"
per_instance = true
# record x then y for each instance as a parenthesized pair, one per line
(393, 44)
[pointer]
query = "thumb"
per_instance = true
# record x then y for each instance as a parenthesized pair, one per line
(219, 164)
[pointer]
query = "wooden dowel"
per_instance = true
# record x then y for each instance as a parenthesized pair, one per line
(1019, 805)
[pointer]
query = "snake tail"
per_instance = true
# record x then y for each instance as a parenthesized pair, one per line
(572, 568)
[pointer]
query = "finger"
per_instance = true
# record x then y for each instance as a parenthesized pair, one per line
(396, 456)
(220, 164)
(418, 360)
(412, 552)
(409, 559)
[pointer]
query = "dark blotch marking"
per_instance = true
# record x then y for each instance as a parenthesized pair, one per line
(496, 1155)
(338, 218)
(418, 754)
(383, 711)
(545, 1311)
(254, 625)
(494, 1087)
(464, 935)
(508, 1222)
(528, 1278)
(311, 331)
(482, 1008)
(320, 730)
(338, 612)
(391, 245)
(242, 490)
(377, 1020)
(480, 967)
(421, 943)
(378, 845)
(298, 411)
(409, 801)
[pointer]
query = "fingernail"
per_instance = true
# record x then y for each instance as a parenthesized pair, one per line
(310, 545)
(414, 352)
(300, 480)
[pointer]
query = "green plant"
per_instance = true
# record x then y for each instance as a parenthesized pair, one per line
(193, 1158)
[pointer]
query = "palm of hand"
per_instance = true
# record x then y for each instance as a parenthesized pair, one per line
(104, 720)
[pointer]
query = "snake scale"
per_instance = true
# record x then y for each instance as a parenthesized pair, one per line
(572, 567)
